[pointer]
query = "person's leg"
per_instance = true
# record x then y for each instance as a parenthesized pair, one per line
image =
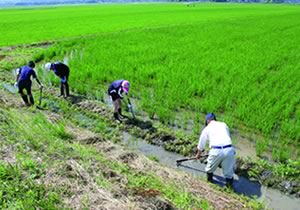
(228, 165)
(120, 111)
(66, 84)
(22, 94)
(210, 177)
(67, 89)
(116, 103)
(25, 98)
(61, 89)
(28, 89)
(213, 161)
(31, 99)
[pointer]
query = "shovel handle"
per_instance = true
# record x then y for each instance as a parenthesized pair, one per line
(202, 157)
(184, 159)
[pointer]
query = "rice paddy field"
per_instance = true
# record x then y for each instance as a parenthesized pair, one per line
(183, 60)
(240, 61)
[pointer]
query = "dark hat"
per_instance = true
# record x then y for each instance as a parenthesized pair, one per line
(210, 116)
(31, 64)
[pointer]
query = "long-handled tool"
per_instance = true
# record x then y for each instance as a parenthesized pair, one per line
(178, 162)
(41, 95)
(130, 108)
(202, 159)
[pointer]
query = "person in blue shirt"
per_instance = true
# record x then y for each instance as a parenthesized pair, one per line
(62, 71)
(23, 81)
(115, 91)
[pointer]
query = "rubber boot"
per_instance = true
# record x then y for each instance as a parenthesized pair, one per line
(31, 100)
(229, 183)
(120, 113)
(116, 116)
(67, 89)
(25, 99)
(61, 90)
(210, 177)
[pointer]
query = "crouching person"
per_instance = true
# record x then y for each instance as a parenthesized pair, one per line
(62, 71)
(221, 149)
(115, 91)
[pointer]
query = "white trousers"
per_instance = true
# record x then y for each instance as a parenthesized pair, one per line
(225, 157)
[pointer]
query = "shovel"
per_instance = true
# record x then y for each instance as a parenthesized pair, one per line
(130, 108)
(178, 162)
(202, 159)
(41, 95)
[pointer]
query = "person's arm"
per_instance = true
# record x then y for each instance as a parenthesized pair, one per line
(202, 141)
(227, 130)
(38, 81)
(35, 77)
(120, 93)
(17, 77)
(18, 74)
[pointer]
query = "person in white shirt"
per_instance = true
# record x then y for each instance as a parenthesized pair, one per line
(221, 149)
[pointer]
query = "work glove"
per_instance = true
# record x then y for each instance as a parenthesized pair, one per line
(41, 85)
(16, 85)
(129, 106)
(63, 80)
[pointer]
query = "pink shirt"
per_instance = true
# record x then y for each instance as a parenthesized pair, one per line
(217, 133)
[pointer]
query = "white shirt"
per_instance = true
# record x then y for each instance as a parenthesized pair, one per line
(217, 133)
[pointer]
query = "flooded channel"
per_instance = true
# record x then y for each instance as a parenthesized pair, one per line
(272, 198)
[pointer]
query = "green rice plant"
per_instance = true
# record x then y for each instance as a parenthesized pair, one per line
(261, 146)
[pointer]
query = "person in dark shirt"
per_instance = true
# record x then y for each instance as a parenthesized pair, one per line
(23, 81)
(115, 91)
(62, 71)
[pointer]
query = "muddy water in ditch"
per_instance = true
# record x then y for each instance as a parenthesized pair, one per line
(273, 199)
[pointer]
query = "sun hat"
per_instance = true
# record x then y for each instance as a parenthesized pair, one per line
(125, 86)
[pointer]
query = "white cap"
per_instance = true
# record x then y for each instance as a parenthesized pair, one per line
(48, 66)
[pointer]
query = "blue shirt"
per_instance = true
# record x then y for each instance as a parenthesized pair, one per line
(116, 87)
(25, 73)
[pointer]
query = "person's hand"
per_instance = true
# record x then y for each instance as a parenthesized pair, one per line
(16, 84)
(129, 106)
(41, 85)
(198, 155)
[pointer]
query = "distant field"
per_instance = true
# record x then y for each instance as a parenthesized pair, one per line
(240, 61)
(33, 24)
